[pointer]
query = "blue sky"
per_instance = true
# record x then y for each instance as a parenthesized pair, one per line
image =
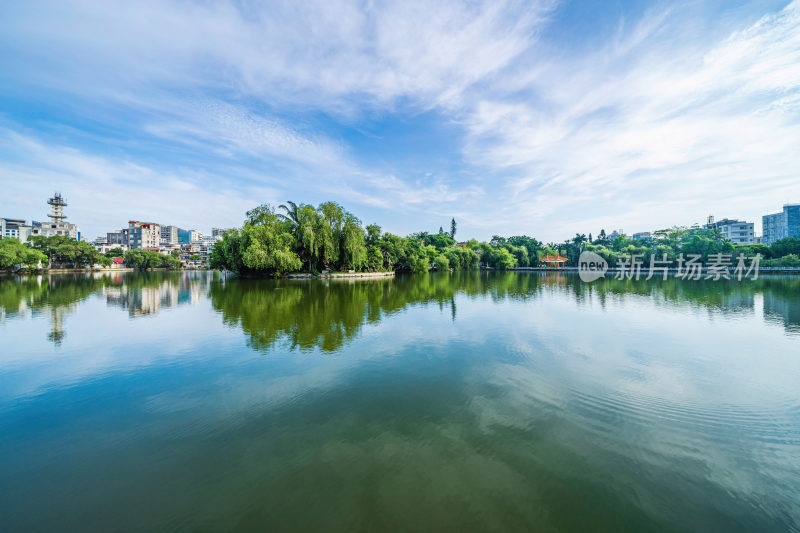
(541, 118)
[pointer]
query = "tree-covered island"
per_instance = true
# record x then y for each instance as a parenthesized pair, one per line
(303, 238)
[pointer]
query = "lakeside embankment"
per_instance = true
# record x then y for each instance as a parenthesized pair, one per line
(794, 271)
(328, 275)
(645, 269)
(42, 271)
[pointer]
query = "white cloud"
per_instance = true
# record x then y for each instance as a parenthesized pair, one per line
(104, 193)
(660, 124)
(297, 52)
(685, 130)
(230, 130)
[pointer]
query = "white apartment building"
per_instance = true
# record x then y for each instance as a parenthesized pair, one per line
(736, 231)
(14, 228)
(104, 247)
(143, 234)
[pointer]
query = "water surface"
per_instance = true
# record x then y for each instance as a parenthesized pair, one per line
(464, 402)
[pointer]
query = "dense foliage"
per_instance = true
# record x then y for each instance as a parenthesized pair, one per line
(301, 237)
(673, 242)
(328, 237)
(114, 252)
(14, 254)
(144, 259)
(62, 250)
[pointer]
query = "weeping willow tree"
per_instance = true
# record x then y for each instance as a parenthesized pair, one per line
(301, 237)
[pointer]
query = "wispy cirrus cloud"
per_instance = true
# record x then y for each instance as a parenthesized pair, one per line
(674, 127)
(322, 53)
(548, 118)
(102, 189)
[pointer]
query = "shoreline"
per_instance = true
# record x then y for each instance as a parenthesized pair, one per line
(644, 270)
(330, 275)
(366, 275)
(43, 271)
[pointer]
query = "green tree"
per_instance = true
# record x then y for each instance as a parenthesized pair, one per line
(789, 260)
(529, 243)
(441, 263)
(504, 259)
(114, 252)
(270, 250)
(14, 254)
(497, 241)
(63, 250)
(784, 247)
(147, 259)
(452, 228)
(520, 253)
(462, 258)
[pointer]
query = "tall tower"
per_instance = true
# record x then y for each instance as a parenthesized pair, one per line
(57, 205)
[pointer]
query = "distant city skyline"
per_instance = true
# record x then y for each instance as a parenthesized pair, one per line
(541, 118)
(756, 223)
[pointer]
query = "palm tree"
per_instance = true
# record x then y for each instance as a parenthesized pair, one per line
(292, 215)
(303, 220)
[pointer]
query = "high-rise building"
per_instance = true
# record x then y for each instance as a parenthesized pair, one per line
(195, 235)
(736, 231)
(169, 235)
(143, 234)
(781, 225)
(58, 224)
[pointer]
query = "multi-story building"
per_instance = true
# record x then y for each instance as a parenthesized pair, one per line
(58, 224)
(195, 235)
(104, 247)
(14, 228)
(143, 234)
(117, 237)
(736, 231)
(642, 236)
(218, 233)
(169, 235)
(200, 248)
(781, 225)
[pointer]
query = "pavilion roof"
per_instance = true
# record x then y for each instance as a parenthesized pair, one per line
(553, 259)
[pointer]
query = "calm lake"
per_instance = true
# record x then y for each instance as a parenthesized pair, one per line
(464, 402)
